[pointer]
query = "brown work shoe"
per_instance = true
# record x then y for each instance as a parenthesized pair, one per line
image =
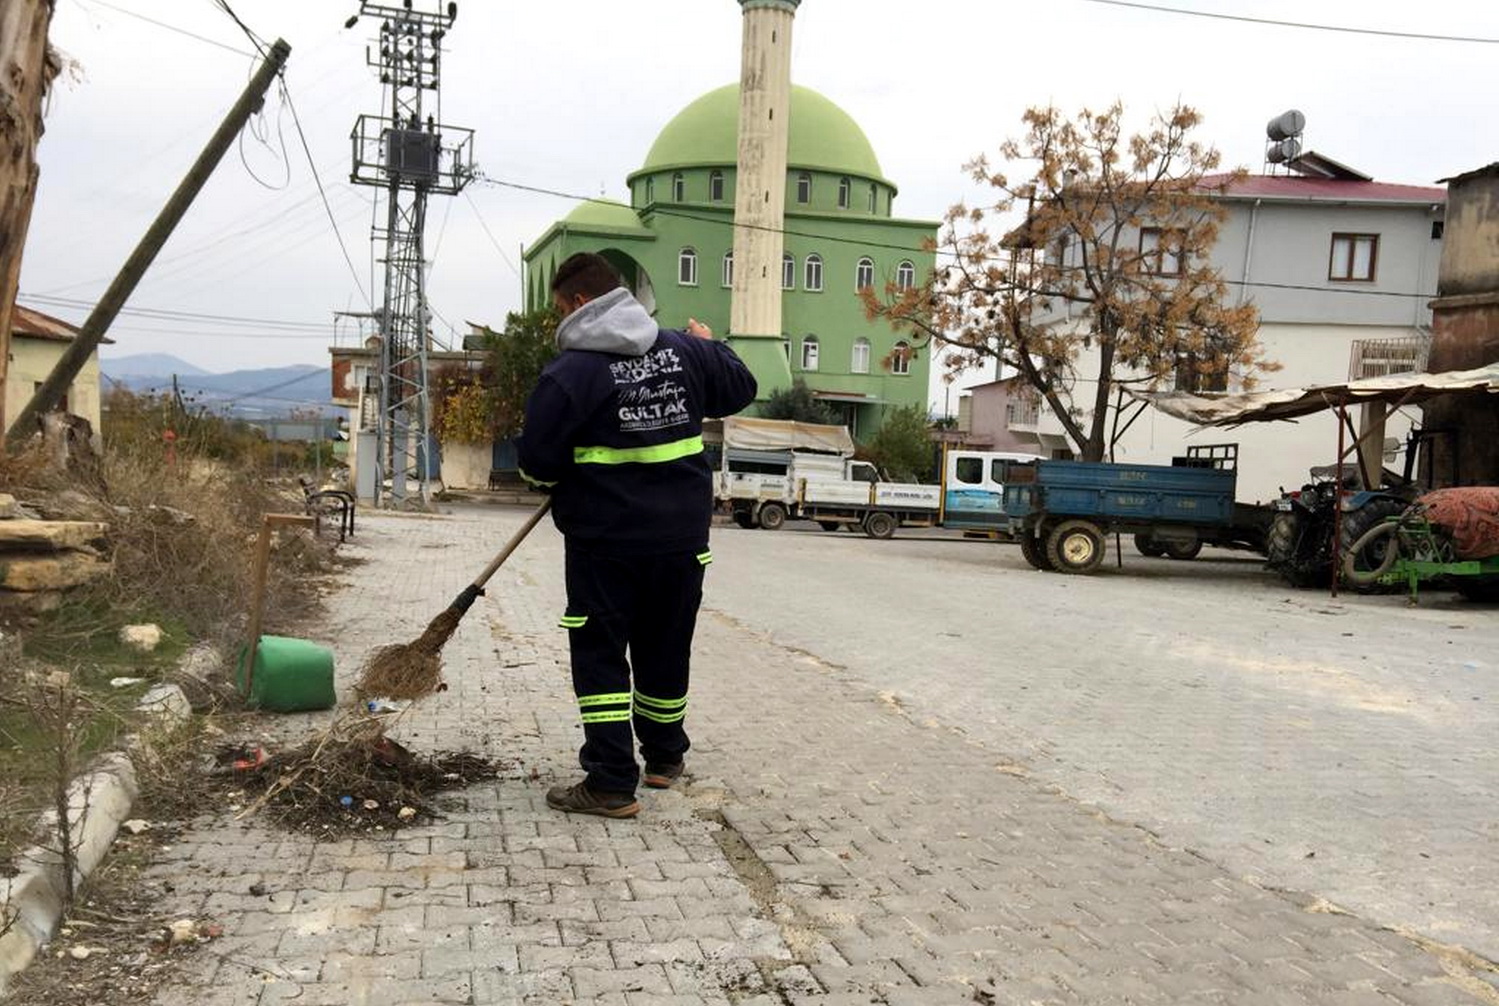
(579, 799)
(662, 776)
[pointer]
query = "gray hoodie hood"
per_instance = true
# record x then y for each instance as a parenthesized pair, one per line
(613, 323)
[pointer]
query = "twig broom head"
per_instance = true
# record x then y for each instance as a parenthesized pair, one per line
(406, 671)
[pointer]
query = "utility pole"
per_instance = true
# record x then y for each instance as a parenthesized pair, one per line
(26, 70)
(408, 155)
(103, 315)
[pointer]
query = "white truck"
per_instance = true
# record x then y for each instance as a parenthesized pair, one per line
(772, 471)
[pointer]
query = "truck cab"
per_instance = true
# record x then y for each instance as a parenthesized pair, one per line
(974, 487)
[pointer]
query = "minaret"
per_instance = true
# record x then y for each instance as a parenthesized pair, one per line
(755, 326)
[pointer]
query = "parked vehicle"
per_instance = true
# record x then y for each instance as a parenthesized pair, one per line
(1063, 513)
(1299, 545)
(774, 471)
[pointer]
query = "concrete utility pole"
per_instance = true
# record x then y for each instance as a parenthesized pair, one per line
(52, 390)
(26, 69)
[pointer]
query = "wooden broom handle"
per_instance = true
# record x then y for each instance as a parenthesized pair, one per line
(513, 543)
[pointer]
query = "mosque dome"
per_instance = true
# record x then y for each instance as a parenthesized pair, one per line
(823, 137)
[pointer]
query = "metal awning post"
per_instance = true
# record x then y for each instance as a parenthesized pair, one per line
(1337, 517)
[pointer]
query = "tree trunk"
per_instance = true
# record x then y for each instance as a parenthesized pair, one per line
(26, 69)
(1094, 449)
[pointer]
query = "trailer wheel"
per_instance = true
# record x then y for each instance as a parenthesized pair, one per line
(1034, 551)
(829, 525)
(1075, 546)
(772, 516)
(880, 525)
(1148, 546)
(1183, 549)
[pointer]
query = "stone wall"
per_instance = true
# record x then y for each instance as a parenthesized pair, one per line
(41, 560)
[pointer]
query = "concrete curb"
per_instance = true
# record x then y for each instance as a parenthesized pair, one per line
(99, 800)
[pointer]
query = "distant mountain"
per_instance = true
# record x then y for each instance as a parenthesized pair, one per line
(268, 391)
(148, 365)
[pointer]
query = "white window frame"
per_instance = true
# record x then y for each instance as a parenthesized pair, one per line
(859, 364)
(864, 274)
(727, 275)
(804, 187)
(678, 188)
(905, 275)
(715, 186)
(813, 269)
(810, 352)
(788, 271)
(687, 267)
(900, 360)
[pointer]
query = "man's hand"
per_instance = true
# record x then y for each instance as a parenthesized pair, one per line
(697, 328)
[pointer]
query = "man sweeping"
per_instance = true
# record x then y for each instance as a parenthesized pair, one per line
(614, 430)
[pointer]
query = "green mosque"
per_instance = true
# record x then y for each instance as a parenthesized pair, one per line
(674, 244)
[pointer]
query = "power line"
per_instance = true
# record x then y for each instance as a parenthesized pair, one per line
(943, 252)
(255, 39)
(1343, 29)
(173, 28)
(490, 234)
(166, 314)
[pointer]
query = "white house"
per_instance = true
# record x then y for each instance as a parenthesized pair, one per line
(1341, 269)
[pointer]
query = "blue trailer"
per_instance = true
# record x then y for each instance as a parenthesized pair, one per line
(1061, 512)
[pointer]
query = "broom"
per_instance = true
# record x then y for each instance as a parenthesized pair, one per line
(413, 670)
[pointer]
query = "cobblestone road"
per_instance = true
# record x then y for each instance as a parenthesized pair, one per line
(829, 847)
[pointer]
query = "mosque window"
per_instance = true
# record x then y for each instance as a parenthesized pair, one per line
(864, 274)
(905, 276)
(900, 360)
(728, 269)
(845, 192)
(814, 272)
(860, 362)
(650, 190)
(804, 187)
(788, 271)
(809, 353)
(678, 188)
(715, 186)
(687, 267)
(874, 197)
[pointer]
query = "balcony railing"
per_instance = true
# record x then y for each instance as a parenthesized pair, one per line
(1022, 414)
(1383, 357)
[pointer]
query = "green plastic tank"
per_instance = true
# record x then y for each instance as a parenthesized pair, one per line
(291, 675)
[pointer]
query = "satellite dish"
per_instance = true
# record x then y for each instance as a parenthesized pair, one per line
(1286, 125)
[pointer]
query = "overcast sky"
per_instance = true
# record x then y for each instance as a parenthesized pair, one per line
(569, 95)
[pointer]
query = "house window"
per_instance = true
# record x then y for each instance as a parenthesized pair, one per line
(814, 273)
(845, 193)
(860, 362)
(905, 276)
(1195, 376)
(804, 187)
(900, 360)
(687, 267)
(1437, 227)
(1160, 252)
(650, 190)
(1354, 258)
(864, 274)
(809, 353)
(874, 198)
(788, 271)
(728, 269)
(715, 186)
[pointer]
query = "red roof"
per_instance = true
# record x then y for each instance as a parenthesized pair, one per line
(34, 324)
(1295, 187)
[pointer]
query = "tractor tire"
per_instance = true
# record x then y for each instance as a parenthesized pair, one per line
(1363, 565)
(880, 525)
(1183, 550)
(1282, 543)
(1075, 546)
(829, 525)
(1149, 547)
(1034, 551)
(772, 516)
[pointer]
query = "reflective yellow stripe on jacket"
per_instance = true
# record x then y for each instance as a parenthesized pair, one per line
(655, 454)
